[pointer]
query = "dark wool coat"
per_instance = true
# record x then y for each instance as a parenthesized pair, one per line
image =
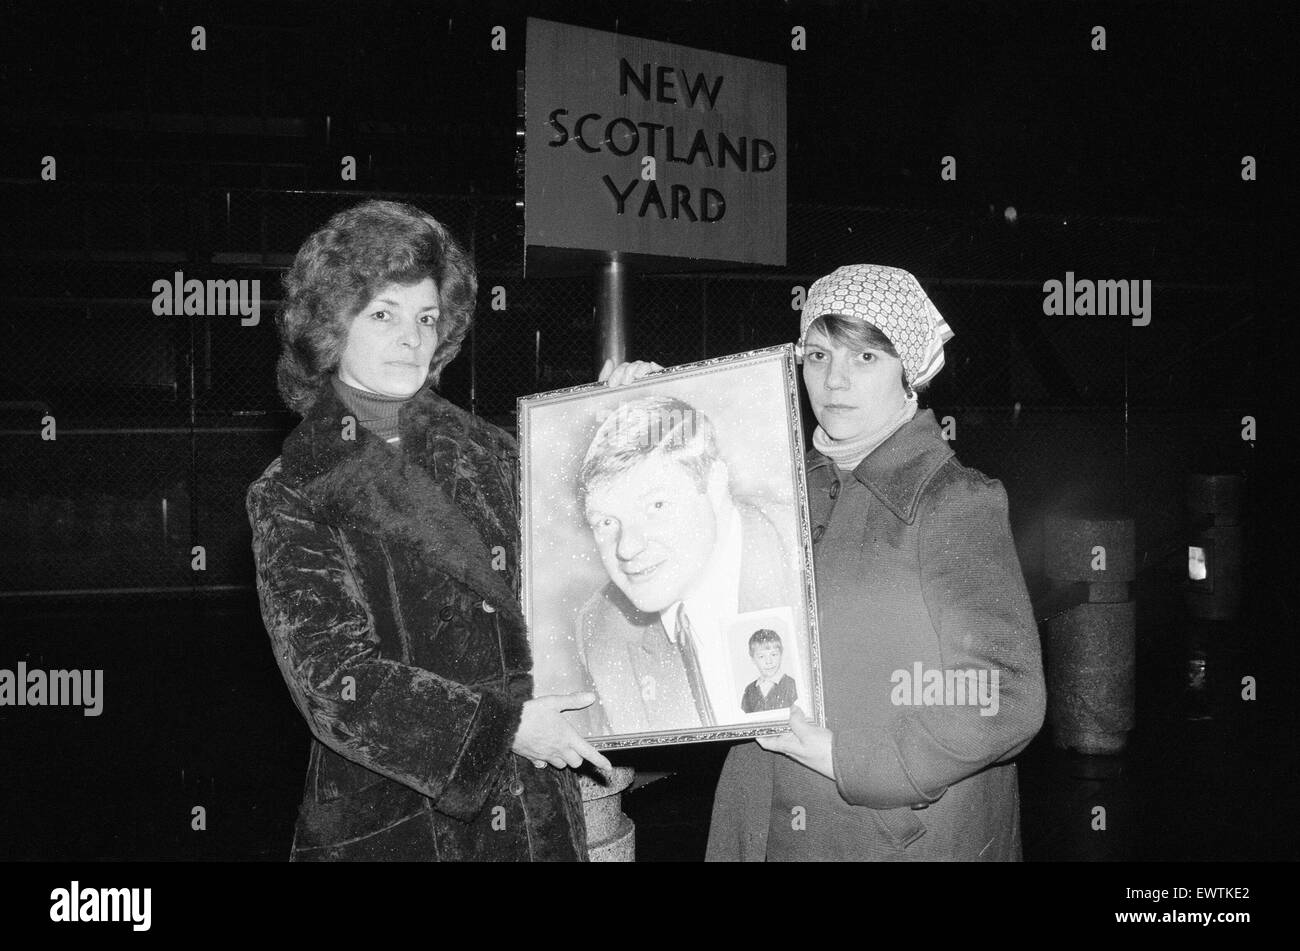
(915, 564)
(405, 652)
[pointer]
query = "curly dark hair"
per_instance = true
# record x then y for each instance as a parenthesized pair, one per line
(342, 266)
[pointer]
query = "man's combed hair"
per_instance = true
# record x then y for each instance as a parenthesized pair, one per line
(762, 637)
(641, 428)
(341, 267)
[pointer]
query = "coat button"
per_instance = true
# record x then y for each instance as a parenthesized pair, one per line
(447, 613)
(488, 608)
(818, 532)
(835, 490)
(516, 788)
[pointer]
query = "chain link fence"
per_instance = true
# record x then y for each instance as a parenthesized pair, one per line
(162, 421)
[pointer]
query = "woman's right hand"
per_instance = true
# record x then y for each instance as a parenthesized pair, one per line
(545, 736)
(626, 373)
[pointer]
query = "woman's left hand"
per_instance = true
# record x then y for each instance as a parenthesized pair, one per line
(806, 743)
(626, 373)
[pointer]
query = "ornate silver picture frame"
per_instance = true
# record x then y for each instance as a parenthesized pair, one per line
(667, 552)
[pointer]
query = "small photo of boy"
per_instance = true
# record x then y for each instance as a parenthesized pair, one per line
(772, 690)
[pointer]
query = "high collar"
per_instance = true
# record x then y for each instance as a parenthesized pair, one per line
(318, 444)
(378, 413)
(356, 479)
(897, 470)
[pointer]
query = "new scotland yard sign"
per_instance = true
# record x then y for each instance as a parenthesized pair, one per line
(652, 150)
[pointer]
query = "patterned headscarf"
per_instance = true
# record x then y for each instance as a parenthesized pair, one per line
(890, 298)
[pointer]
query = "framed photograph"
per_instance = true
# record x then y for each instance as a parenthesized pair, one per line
(667, 552)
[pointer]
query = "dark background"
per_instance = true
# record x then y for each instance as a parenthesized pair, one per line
(1122, 164)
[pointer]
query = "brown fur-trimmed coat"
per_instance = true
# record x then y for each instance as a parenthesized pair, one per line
(404, 651)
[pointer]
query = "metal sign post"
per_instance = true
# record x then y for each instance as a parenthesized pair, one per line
(613, 304)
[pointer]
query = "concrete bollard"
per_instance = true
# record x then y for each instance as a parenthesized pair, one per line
(611, 836)
(1091, 653)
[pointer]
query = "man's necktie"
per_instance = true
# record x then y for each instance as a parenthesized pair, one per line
(691, 660)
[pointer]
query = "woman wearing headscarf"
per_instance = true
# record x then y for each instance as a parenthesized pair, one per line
(387, 550)
(929, 651)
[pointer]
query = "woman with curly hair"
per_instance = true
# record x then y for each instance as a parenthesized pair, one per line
(386, 543)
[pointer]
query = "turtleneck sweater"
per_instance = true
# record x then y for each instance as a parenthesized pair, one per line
(848, 454)
(377, 413)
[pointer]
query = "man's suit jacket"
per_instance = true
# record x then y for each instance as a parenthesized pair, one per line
(634, 668)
